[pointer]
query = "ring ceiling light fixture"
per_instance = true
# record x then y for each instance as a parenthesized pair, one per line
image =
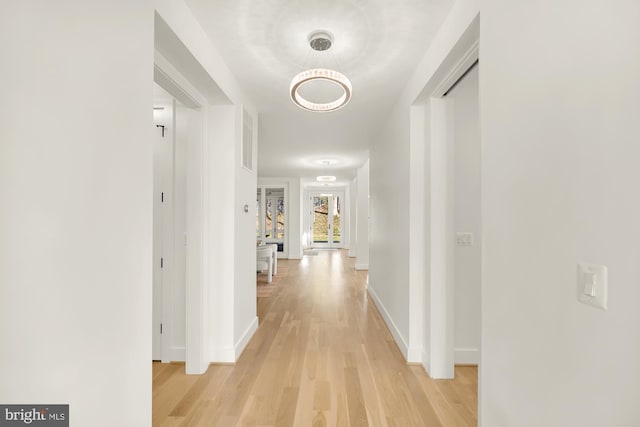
(320, 41)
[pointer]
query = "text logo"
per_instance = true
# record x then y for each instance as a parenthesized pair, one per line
(34, 415)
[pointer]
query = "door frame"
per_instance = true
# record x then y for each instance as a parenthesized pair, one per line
(262, 186)
(432, 246)
(196, 342)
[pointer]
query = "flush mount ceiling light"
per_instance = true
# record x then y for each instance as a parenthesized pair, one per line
(320, 41)
(326, 162)
(325, 178)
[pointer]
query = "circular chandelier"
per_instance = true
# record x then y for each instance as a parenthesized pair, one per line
(320, 41)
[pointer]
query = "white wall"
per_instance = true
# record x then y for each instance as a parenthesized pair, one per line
(352, 192)
(220, 234)
(76, 221)
(246, 320)
(390, 164)
(295, 218)
(362, 220)
(467, 218)
(559, 105)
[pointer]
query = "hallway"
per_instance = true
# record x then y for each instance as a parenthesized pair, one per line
(321, 356)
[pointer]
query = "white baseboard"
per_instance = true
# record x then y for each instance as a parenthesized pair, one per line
(362, 266)
(223, 355)
(397, 336)
(426, 363)
(177, 354)
(467, 356)
(230, 354)
(414, 355)
(244, 340)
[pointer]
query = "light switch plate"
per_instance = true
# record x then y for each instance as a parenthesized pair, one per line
(591, 286)
(464, 239)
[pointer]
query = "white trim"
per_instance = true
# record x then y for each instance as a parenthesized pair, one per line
(414, 354)
(246, 337)
(171, 80)
(426, 362)
(467, 356)
(197, 258)
(223, 355)
(458, 70)
(395, 332)
(442, 228)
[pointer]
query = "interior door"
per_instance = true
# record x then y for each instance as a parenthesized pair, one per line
(160, 155)
(326, 229)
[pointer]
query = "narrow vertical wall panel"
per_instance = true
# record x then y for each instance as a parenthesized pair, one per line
(442, 238)
(362, 225)
(220, 237)
(245, 321)
(417, 238)
(467, 219)
(196, 273)
(353, 203)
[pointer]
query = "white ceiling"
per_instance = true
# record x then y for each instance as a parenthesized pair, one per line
(377, 44)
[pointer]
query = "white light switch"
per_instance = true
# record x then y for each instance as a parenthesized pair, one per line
(589, 281)
(592, 285)
(464, 239)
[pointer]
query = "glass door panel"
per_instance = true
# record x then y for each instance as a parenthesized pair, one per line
(336, 219)
(326, 221)
(320, 219)
(268, 223)
(258, 203)
(271, 216)
(280, 218)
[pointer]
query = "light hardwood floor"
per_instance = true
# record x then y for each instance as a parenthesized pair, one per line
(322, 356)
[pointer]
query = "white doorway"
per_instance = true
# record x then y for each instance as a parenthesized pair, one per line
(467, 254)
(171, 121)
(272, 217)
(446, 193)
(326, 220)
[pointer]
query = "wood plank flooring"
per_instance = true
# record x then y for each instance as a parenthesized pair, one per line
(322, 356)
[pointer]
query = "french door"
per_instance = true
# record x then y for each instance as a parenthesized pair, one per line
(326, 221)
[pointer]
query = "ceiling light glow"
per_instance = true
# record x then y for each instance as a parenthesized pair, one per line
(324, 74)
